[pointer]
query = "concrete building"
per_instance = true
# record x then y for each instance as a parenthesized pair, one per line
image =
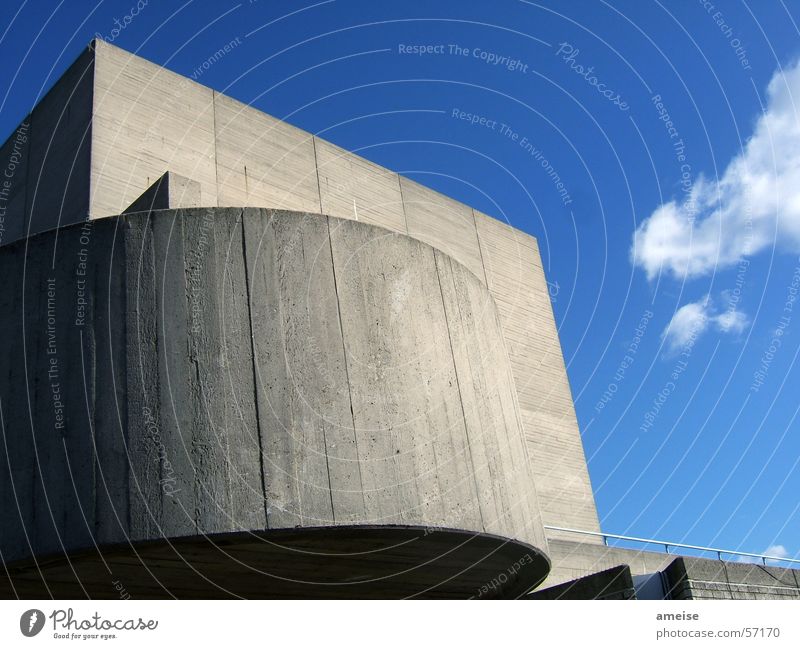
(241, 361)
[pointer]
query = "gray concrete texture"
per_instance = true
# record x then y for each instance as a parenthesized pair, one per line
(131, 121)
(209, 370)
(573, 559)
(694, 578)
(684, 577)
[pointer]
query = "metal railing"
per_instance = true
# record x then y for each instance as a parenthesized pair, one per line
(670, 544)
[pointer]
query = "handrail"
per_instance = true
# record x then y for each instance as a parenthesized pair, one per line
(667, 544)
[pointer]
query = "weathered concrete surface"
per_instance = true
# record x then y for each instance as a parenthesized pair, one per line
(677, 577)
(260, 160)
(683, 577)
(693, 578)
(352, 187)
(60, 151)
(442, 223)
(575, 559)
(147, 120)
(47, 158)
(516, 280)
(209, 370)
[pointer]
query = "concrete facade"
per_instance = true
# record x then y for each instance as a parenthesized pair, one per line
(218, 370)
(131, 121)
(693, 578)
(679, 578)
(573, 559)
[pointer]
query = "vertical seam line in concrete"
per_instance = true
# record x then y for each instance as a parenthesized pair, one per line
(319, 185)
(324, 432)
(255, 372)
(499, 490)
(458, 386)
(149, 252)
(403, 203)
(216, 160)
(328, 469)
(480, 249)
(123, 269)
(92, 412)
(187, 363)
(153, 518)
(499, 494)
(346, 370)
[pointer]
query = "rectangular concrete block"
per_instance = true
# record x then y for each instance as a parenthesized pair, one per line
(147, 121)
(60, 150)
(516, 279)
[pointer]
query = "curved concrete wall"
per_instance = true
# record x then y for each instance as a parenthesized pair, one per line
(214, 370)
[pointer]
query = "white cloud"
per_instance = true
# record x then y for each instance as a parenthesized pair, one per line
(755, 204)
(688, 323)
(693, 319)
(731, 322)
(777, 551)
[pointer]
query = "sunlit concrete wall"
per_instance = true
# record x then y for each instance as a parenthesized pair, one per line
(211, 370)
(145, 120)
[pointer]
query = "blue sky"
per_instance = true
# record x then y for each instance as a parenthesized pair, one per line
(674, 241)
